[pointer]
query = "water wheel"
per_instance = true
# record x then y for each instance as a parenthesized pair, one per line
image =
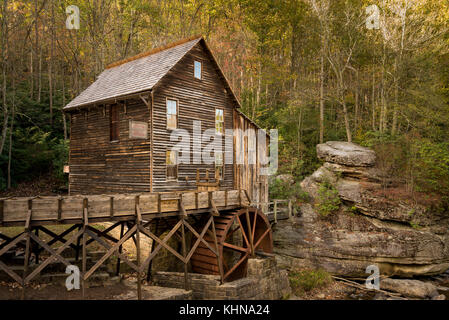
(240, 234)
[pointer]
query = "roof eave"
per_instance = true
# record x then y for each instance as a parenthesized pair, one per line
(106, 101)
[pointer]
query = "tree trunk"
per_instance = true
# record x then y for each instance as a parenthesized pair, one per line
(4, 67)
(39, 82)
(10, 137)
(50, 64)
(346, 115)
(373, 102)
(64, 120)
(357, 102)
(322, 99)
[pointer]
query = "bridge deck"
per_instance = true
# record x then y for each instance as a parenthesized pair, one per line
(48, 210)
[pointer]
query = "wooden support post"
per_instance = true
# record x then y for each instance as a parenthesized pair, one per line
(78, 245)
(212, 205)
(36, 247)
(226, 198)
(27, 247)
(220, 264)
(159, 203)
(207, 175)
(240, 197)
(138, 223)
(196, 200)
(111, 207)
(197, 175)
(84, 262)
(122, 230)
(59, 209)
(275, 211)
(184, 253)
(150, 264)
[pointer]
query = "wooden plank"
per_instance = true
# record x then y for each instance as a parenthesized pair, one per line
(54, 254)
(111, 250)
(70, 209)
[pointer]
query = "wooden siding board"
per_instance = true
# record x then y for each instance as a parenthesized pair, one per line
(98, 166)
(197, 101)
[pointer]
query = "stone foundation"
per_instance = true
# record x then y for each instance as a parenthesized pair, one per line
(263, 282)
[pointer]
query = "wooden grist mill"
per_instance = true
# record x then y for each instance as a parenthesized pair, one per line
(124, 170)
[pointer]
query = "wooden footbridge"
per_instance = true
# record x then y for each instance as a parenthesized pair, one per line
(214, 218)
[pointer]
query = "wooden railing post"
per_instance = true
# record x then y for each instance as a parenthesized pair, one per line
(275, 211)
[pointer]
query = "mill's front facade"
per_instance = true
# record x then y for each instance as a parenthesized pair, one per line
(121, 126)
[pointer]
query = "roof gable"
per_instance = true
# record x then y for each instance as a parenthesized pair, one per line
(136, 75)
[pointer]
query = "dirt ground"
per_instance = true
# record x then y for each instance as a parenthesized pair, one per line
(58, 292)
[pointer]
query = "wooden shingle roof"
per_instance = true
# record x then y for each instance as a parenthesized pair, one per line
(133, 75)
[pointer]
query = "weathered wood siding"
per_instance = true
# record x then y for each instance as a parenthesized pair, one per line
(98, 165)
(247, 175)
(197, 100)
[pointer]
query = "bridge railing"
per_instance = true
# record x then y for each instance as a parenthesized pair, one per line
(276, 209)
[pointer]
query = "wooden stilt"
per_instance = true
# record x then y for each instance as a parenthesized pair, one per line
(139, 273)
(151, 251)
(184, 254)
(122, 230)
(84, 263)
(26, 261)
(78, 245)
(36, 247)
(27, 247)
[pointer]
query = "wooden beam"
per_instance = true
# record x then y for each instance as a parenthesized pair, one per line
(111, 250)
(139, 273)
(53, 254)
(111, 207)
(184, 252)
(212, 206)
(122, 229)
(161, 243)
(59, 209)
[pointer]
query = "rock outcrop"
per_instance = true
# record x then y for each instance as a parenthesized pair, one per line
(372, 226)
(410, 288)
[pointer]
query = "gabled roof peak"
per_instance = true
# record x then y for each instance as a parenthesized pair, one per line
(141, 73)
(153, 51)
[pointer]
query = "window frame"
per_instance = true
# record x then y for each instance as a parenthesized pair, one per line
(215, 121)
(114, 123)
(201, 69)
(175, 165)
(166, 113)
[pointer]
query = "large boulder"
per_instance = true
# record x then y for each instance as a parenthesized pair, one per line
(371, 227)
(410, 288)
(346, 153)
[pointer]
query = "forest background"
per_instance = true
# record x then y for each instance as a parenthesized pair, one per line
(315, 70)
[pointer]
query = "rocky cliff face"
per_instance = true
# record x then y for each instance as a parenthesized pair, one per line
(370, 227)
